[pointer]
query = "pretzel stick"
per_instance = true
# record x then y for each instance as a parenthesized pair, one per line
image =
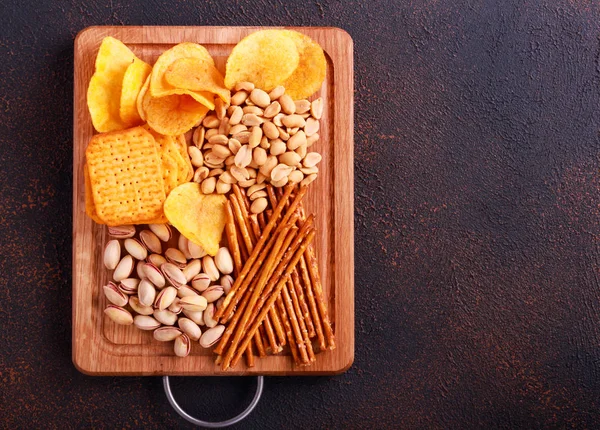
(261, 291)
(288, 330)
(312, 303)
(285, 294)
(313, 270)
(254, 261)
(275, 348)
(273, 311)
(249, 356)
(298, 313)
(232, 241)
(296, 280)
(271, 321)
(244, 207)
(237, 260)
(241, 309)
(259, 344)
(272, 297)
(237, 211)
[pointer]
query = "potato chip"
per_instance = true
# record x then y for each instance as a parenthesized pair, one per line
(199, 217)
(310, 73)
(140, 99)
(90, 207)
(182, 145)
(198, 75)
(159, 87)
(126, 176)
(265, 58)
(104, 91)
(134, 79)
(172, 115)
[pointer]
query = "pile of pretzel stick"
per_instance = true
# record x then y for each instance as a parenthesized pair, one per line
(277, 298)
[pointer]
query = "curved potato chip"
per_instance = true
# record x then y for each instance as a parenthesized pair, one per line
(199, 217)
(104, 91)
(133, 81)
(172, 115)
(265, 58)
(160, 87)
(140, 99)
(310, 73)
(197, 75)
(182, 145)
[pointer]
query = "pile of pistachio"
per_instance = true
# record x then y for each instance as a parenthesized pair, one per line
(174, 291)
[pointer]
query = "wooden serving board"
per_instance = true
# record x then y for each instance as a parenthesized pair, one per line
(101, 347)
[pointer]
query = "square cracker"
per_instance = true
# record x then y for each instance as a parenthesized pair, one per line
(126, 176)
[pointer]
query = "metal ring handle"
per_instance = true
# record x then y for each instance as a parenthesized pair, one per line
(209, 424)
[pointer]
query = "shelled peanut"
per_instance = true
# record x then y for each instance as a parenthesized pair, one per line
(261, 138)
(171, 290)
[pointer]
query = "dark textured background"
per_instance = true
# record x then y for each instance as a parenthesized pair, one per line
(477, 206)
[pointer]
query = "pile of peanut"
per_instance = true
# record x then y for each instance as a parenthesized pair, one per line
(260, 138)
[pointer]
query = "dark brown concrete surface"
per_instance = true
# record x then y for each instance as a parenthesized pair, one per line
(477, 220)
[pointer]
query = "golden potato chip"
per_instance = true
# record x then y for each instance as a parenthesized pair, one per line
(140, 99)
(90, 208)
(126, 176)
(104, 91)
(134, 79)
(195, 74)
(199, 217)
(310, 73)
(172, 115)
(159, 87)
(183, 150)
(265, 58)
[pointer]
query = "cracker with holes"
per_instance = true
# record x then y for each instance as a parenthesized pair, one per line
(126, 177)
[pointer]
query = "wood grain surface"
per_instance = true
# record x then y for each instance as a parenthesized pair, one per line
(101, 347)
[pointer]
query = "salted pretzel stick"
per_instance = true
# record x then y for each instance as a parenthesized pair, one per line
(239, 217)
(272, 194)
(244, 207)
(237, 259)
(262, 289)
(285, 294)
(312, 303)
(229, 330)
(302, 325)
(251, 266)
(276, 319)
(288, 330)
(271, 321)
(232, 240)
(313, 270)
(249, 356)
(260, 347)
(272, 298)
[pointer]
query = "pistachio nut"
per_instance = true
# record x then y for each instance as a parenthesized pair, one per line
(213, 293)
(162, 231)
(201, 282)
(209, 312)
(129, 285)
(175, 307)
(151, 241)
(166, 317)
(122, 231)
(186, 291)
(195, 250)
(192, 269)
(182, 346)
(135, 248)
(118, 315)
(182, 244)
(154, 275)
(196, 316)
(211, 336)
(134, 302)
(165, 298)
(114, 295)
(124, 268)
(112, 254)
(190, 328)
(145, 322)
(224, 261)
(166, 334)
(146, 292)
(193, 303)
(210, 267)
(156, 259)
(176, 257)
(173, 274)
(227, 283)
